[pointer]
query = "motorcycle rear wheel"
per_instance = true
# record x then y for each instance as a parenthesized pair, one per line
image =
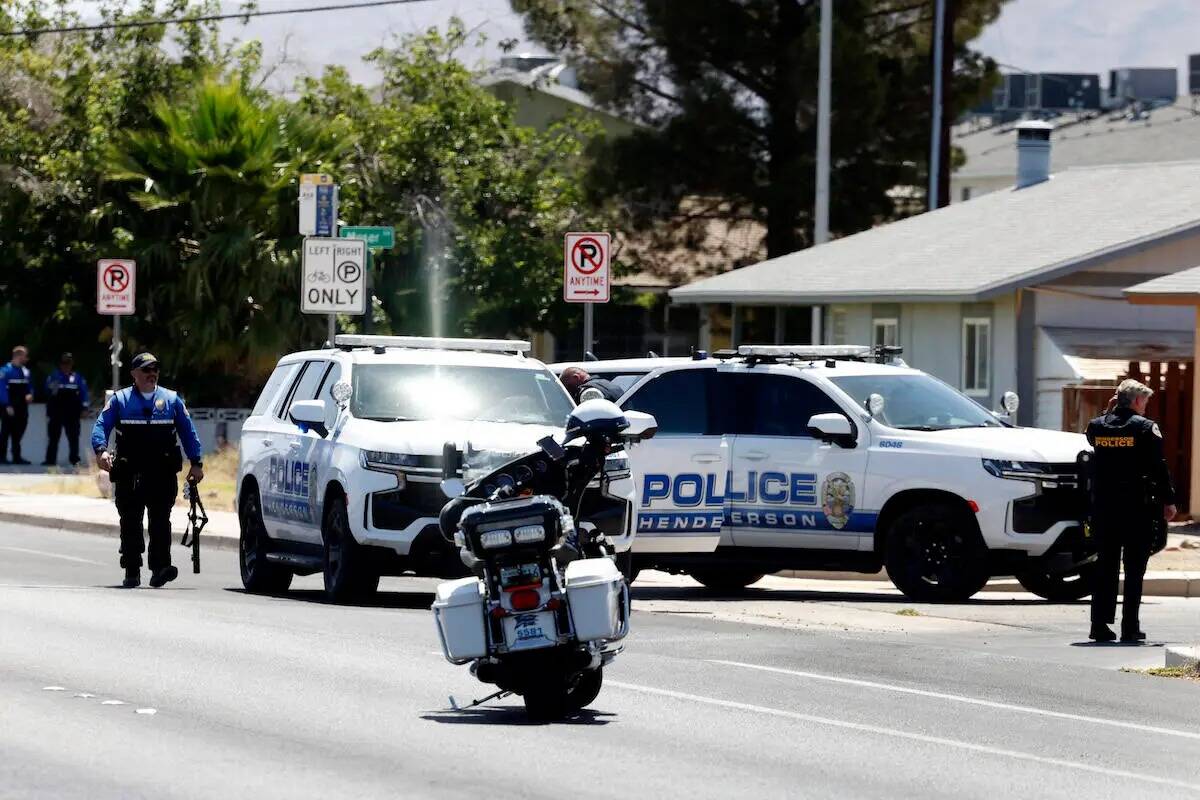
(546, 703)
(586, 689)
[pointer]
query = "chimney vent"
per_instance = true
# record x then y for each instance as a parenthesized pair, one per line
(1033, 152)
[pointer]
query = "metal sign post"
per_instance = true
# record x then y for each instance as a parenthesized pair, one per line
(586, 276)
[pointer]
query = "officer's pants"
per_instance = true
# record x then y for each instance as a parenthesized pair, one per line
(57, 424)
(153, 493)
(1120, 538)
(13, 428)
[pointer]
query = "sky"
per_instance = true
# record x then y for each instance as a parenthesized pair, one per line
(1033, 35)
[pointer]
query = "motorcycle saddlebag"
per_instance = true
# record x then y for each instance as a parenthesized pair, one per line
(458, 609)
(597, 598)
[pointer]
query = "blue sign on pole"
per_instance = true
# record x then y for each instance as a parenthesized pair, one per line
(326, 210)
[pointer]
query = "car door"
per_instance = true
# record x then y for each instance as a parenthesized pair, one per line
(788, 488)
(290, 503)
(679, 475)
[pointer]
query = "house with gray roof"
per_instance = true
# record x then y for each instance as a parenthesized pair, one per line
(1020, 289)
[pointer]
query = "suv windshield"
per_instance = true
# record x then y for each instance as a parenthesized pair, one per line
(917, 402)
(407, 392)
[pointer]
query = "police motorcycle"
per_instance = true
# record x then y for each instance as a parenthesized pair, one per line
(547, 606)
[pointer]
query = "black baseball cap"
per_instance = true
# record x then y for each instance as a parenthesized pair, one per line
(143, 360)
(66, 357)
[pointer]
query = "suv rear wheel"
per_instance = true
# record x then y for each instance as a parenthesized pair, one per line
(258, 574)
(934, 555)
(347, 577)
(726, 580)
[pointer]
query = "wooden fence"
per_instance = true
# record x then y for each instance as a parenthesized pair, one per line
(1171, 408)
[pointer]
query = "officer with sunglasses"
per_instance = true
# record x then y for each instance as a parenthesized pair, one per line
(143, 469)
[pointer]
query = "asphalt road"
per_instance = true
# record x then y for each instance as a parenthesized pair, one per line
(199, 690)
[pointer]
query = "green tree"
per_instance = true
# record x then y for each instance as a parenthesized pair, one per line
(728, 92)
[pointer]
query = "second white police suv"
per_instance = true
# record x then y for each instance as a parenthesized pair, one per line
(842, 458)
(343, 454)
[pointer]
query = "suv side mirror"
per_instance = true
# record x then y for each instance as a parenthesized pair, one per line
(309, 414)
(832, 427)
(642, 426)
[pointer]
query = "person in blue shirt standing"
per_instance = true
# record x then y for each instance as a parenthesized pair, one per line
(16, 395)
(66, 402)
(147, 419)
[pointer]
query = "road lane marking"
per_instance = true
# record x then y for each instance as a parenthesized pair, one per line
(147, 711)
(958, 698)
(112, 703)
(52, 555)
(54, 688)
(899, 734)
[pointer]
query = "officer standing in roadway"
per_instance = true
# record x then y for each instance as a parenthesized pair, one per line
(66, 401)
(576, 380)
(147, 419)
(16, 394)
(1131, 493)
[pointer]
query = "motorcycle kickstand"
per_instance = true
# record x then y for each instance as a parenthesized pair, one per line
(494, 696)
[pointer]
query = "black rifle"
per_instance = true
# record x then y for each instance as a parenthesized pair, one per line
(197, 519)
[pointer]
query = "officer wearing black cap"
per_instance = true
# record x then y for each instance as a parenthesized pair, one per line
(1131, 494)
(143, 471)
(66, 401)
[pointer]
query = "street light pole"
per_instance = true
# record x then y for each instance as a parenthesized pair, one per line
(935, 133)
(821, 212)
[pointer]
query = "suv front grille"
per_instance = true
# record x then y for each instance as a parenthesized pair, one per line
(399, 508)
(1062, 500)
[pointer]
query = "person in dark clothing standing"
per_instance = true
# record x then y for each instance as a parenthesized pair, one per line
(1131, 493)
(16, 394)
(577, 380)
(147, 419)
(66, 402)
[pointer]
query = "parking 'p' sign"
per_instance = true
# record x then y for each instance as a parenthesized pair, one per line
(115, 279)
(586, 268)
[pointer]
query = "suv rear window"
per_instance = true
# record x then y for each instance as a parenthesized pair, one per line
(409, 392)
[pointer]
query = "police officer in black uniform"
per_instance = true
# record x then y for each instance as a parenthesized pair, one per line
(576, 380)
(1131, 494)
(66, 402)
(147, 419)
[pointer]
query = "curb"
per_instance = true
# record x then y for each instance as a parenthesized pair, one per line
(1182, 656)
(112, 530)
(1161, 585)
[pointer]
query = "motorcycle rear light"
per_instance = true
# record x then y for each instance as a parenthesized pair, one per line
(498, 612)
(492, 539)
(525, 599)
(529, 533)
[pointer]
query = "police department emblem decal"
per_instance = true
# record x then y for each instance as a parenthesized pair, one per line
(160, 404)
(837, 499)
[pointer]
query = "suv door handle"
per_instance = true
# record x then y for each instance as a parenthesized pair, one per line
(294, 445)
(755, 455)
(267, 442)
(706, 458)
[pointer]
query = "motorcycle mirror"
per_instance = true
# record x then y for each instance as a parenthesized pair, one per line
(453, 487)
(341, 392)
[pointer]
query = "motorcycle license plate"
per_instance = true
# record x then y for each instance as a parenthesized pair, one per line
(530, 631)
(520, 575)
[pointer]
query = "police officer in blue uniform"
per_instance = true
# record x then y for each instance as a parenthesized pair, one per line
(66, 401)
(144, 468)
(16, 394)
(1131, 495)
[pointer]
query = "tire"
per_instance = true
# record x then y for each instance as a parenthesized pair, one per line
(547, 703)
(347, 578)
(625, 564)
(1059, 588)
(726, 580)
(258, 575)
(586, 689)
(933, 555)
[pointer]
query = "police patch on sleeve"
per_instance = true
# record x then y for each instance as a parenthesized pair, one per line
(1154, 429)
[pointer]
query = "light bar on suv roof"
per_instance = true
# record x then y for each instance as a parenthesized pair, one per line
(433, 343)
(816, 352)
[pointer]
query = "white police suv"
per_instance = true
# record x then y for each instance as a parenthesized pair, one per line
(342, 456)
(840, 458)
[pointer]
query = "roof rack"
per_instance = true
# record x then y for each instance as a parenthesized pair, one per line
(379, 343)
(774, 353)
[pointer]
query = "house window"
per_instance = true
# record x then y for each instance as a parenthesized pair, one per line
(837, 326)
(886, 331)
(977, 349)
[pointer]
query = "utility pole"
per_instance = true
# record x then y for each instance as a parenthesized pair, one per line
(821, 212)
(935, 127)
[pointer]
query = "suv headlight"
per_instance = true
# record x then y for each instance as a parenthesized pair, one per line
(385, 462)
(1014, 470)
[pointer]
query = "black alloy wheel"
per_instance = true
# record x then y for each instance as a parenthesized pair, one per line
(258, 575)
(934, 555)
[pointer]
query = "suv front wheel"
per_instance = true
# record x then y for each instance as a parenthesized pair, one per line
(933, 554)
(258, 575)
(347, 577)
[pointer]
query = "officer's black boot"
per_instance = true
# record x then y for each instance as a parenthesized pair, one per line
(133, 578)
(164, 576)
(1131, 633)
(1102, 633)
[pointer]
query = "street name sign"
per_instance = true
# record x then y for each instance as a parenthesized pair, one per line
(318, 205)
(376, 237)
(334, 276)
(115, 281)
(586, 268)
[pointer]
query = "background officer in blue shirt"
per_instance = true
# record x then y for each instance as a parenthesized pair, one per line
(16, 394)
(144, 468)
(66, 401)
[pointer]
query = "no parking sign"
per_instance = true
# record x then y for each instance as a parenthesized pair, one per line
(586, 268)
(115, 285)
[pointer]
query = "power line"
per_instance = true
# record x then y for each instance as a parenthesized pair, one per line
(147, 23)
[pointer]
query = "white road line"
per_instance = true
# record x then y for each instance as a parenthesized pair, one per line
(899, 734)
(52, 555)
(974, 701)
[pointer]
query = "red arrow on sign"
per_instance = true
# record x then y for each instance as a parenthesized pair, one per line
(587, 291)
